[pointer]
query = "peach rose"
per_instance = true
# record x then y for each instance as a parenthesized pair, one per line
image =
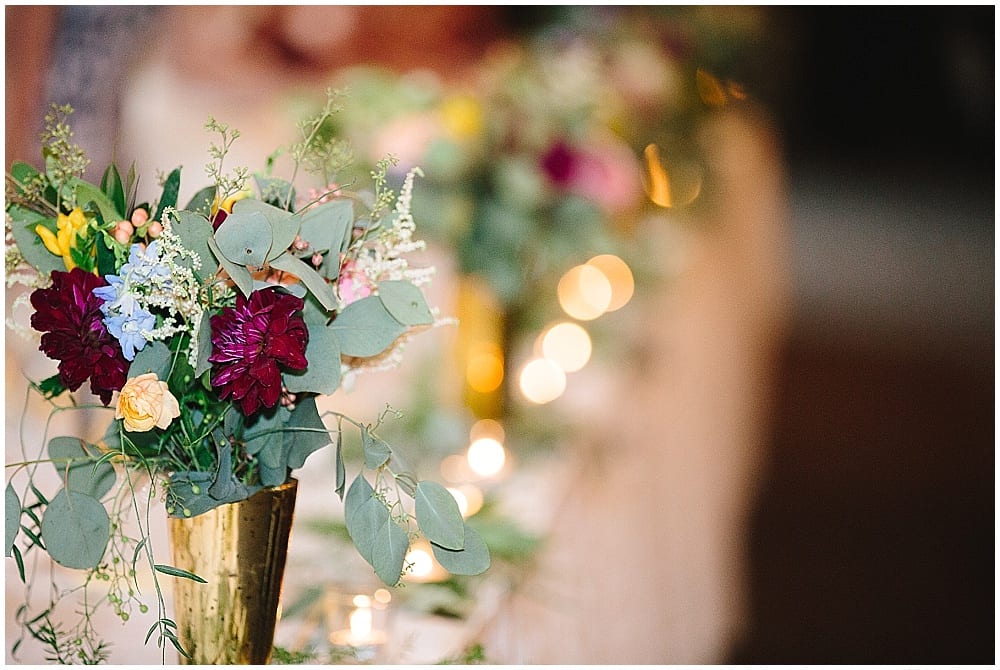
(145, 402)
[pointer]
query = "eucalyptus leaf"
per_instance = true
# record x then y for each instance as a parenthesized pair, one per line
(365, 516)
(189, 491)
(314, 437)
(389, 552)
(284, 226)
(78, 470)
(204, 346)
(22, 227)
(239, 274)
(75, 528)
(154, 357)
(377, 451)
(366, 328)
(339, 460)
(438, 516)
(308, 276)
(405, 302)
(322, 375)
(473, 559)
(195, 233)
(245, 238)
(327, 228)
(12, 518)
(177, 572)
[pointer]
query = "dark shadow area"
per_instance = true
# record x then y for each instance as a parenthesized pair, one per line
(873, 535)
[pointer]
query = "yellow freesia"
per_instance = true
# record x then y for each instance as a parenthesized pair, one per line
(68, 228)
(228, 203)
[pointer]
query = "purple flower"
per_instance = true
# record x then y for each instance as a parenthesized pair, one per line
(250, 344)
(70, 318)
(560, 163)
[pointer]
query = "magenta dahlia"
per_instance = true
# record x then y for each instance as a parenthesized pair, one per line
(251, 342)
(70, 318)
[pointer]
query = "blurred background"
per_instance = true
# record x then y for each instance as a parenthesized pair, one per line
(782, 447)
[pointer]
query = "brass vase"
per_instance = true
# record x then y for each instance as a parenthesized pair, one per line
(240, 550)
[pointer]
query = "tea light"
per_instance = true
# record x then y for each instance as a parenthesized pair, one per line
(364, 631)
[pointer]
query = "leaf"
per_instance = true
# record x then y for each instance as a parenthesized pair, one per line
(171, 187)
(12, 517)
(284, 226)
(365, 328)
(327, 228)
(50, 387)
(75, 528)
(323, 372)
(87, 193)
(303, 443)
(195, 233)
(106, 260)
(239, 274)
(339, 458)
(308, 276)
(182, 496)
(202, 201)
(377, 452)
(177, 572)
(365, 515)
(405, 302)
(111, 185)
(23, 223)
(245, 238)
(204, 346)
(438, 516)
(154, 357)
(78, 470)
(389, 552)
(473, 559)
(274, 191)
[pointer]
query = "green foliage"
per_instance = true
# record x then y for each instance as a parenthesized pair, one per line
(366, 328)
(472, 559)
(12, 518)
(79, 470)
(405, 303)
(75, 529)
(439, 517)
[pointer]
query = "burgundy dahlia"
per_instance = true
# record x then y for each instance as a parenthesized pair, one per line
(250, 344)
(69, 316)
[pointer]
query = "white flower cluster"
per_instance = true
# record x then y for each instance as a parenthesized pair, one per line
(385, 260)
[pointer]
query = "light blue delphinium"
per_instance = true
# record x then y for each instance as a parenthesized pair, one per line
(128, 329)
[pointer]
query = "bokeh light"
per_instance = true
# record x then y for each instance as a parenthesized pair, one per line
(542, 380)
(486, 456)
(484, 371)
(669, 183)
(487, 428)
(619, 276)
(584, 292)
(567, 345)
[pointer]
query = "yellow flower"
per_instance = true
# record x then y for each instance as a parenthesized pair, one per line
(68, 228)
(145, 402)
(462, 116)
(227, 204)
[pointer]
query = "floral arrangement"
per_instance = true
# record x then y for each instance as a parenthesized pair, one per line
(210, 331)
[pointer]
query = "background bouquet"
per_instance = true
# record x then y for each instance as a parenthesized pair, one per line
(210, 330)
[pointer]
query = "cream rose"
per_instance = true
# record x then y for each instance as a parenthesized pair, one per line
(145, 402)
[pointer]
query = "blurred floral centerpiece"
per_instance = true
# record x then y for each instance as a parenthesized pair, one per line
(209, 331)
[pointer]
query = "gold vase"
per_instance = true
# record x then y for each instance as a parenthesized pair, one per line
(240, 550)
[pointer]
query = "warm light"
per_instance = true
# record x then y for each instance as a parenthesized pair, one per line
(421, 564)
(669, 185)
(584, 292)
(542, 380)
(567, 345)
(455, 468)
(486, 428)
(710, 89)
(486, 456)
(619, 276)
(473, 499)
(484, 371)
(383, 596)
(463, 502)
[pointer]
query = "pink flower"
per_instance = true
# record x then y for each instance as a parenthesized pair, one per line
(353, 284)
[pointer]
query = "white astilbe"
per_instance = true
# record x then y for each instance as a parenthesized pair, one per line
(176, 291)
(384, 258)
